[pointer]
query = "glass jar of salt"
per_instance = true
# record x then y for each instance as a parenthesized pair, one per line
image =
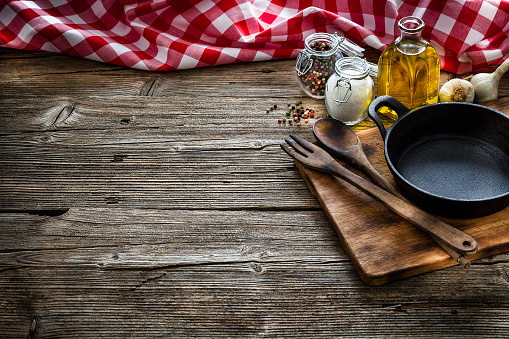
(349, 91)
(315, 63)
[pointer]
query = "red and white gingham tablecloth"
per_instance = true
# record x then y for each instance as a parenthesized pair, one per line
(164, 35)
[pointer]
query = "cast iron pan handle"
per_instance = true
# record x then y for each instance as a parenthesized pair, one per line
(385, 100)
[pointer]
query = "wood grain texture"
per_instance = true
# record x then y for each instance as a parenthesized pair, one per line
(141, 204)
(146, 273)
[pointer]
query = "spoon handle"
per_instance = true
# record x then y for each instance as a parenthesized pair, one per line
(369, 170)
(356, 156)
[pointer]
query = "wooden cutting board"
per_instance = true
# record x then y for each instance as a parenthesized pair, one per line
(381, 245)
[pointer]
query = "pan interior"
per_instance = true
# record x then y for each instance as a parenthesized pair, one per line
(456, 167)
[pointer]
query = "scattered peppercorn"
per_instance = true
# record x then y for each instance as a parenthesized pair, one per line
(294, 114)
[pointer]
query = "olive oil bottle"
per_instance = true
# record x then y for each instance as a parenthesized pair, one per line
(409, 68)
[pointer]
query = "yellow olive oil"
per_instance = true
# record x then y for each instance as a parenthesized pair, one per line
(409, 70)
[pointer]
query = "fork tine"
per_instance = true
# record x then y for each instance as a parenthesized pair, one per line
(292, 153)
(303, 142)
(297, 148)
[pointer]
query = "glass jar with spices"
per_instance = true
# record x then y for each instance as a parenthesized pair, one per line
(349, 91)
(315, 63)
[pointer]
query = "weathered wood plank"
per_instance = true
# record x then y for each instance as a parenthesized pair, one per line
(57, 75)
(203, 115)
(99, 152)
(61, 75)
(151, 239)
(248, 300)
(223, 174)
(250, 281)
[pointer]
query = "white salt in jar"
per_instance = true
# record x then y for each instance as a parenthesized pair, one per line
(349, 91)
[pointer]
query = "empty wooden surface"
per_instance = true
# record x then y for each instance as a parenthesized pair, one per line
(141, 204)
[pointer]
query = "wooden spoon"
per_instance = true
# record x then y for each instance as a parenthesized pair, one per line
(341, 141)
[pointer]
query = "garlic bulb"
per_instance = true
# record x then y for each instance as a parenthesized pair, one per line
(457, 90)
(486, 84)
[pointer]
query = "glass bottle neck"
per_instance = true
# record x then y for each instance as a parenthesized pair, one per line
(411, 28)
(410, 36)
(410, 41)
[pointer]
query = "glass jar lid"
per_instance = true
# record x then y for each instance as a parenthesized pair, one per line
(352, 68)
(329, 41)
(334, 42)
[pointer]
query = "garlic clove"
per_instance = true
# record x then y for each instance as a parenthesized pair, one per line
(486, 84)
(484, 88)
(457, 90)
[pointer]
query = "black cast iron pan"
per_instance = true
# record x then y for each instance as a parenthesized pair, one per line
(449, 158)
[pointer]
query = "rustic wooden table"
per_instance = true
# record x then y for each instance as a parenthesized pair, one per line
(142, 204)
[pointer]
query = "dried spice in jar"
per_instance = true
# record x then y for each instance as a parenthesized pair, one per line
(349, 90)
(316, 62)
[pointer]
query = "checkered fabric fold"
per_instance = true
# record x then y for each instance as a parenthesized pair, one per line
(179, 34)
